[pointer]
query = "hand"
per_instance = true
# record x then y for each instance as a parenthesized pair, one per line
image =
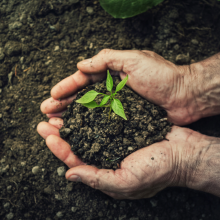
(150, 75)
(187, 159)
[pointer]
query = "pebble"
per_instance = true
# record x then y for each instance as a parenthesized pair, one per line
(89, 10)
(130, 148)
(9, 188)
(2, 55)
(61, 171)
(194, 41)
(59, 214)
(74, 209)
(14, 25)
(23, 164)
(12, 48)
(10, 215)
(58, 197)
(35, 169)
(56, 48)
(22, 60)
(7, 205)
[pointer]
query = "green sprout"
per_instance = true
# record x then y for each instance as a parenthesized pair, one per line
(20, 110)
(87, 100)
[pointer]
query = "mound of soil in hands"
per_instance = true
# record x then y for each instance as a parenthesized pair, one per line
(105, 142)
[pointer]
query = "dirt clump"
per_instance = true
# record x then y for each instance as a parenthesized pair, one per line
(105, 142)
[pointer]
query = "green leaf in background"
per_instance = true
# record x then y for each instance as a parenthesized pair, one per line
(118, 108)
(109, 82)
(91, 104)
(121, 84)
(127, 8)
(88, 97)
(104, 100)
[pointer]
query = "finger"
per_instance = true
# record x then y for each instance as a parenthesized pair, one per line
(74, 83)
(56, 122)
(107, 59)
(61, 149)
(45, 129)
(52, 105)
(105, 180)
(56, 115)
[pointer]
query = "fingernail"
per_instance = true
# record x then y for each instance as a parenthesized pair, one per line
(87, 61)
(74, 178)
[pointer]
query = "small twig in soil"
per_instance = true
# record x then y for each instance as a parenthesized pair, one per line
(26, 69)
(16, 69)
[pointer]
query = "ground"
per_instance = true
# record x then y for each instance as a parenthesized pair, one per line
(40, 44)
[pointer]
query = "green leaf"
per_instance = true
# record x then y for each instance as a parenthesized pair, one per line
(88, 97)
(91, 104)
(109, 82)
(121, 84)
(118, 108)
(127, 8)
(104, 100)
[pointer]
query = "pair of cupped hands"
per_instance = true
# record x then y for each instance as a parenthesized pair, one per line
(176, 162)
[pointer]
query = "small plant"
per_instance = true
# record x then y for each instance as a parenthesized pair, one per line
(87, 100)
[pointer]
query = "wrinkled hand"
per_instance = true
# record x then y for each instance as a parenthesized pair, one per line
(141, 175)
(150, 75)
(188, 159)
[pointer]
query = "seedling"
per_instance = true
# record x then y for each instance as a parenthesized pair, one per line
(87, 100)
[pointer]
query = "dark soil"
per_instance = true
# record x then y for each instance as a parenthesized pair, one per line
(105, 142)
(40, 44)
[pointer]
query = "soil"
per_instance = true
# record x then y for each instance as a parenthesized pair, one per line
(40, 44)
(105, 142)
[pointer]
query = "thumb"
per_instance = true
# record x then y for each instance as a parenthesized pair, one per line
(101, 179)
(106, 59)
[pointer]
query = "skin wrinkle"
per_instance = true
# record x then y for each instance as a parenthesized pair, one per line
(198, 161)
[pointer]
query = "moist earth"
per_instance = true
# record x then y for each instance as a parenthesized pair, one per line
(105, 142)
(40, 44)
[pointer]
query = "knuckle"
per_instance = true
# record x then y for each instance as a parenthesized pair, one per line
(106, 51)
(94, 184)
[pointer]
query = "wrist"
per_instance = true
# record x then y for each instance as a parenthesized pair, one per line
(199, 164)
(205, 86)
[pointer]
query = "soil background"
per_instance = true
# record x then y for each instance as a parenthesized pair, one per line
(40, 44)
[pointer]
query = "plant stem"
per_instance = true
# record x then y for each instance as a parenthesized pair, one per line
(109, 116)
